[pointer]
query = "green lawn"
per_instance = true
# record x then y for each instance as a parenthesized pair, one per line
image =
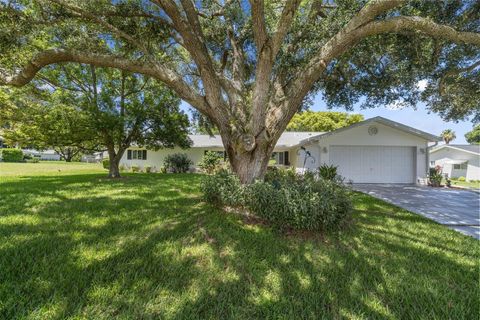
(76, 245)
(466, 184)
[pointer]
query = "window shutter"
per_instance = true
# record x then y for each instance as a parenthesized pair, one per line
(129, 154)
(144, 154)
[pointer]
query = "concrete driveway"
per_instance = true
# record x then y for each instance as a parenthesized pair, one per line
(456, 209)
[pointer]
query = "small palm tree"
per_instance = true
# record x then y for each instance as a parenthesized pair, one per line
(448, 135)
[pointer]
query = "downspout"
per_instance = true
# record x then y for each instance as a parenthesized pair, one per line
(428, 156)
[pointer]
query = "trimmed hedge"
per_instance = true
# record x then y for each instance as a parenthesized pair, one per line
(12, 155)
(286, 199)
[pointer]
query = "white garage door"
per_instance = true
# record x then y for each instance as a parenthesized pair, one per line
(374, 164)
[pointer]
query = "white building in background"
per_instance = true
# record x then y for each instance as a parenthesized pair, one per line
(46, 155)
(376, 150)
(457, 160)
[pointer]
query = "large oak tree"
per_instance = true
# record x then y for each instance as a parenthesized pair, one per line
(249, 66)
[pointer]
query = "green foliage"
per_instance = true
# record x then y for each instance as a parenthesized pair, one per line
(473, 137)
(94, 109)
(461, 178)
(448, 135)
(302, 202)
(328, 172)
(135, 168)
(210, 162)
(322, 121)
(148, 169)
(177, 163)
(284, 198)
(435, 176)
(223, 189)
(32, 160)
(106, 164)
(11, 155)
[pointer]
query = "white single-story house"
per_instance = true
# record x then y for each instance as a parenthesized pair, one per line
(457, 160)
(376, 150)
(46, 155)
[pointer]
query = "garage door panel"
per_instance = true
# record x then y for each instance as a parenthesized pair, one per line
(374, 164)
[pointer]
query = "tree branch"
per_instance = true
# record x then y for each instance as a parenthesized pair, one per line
(344, 41)
(453, 72)
(258, 19)
(284, 24)
(159, 72)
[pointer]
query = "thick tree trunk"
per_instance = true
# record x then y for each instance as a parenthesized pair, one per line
(114, 170)
(249, 165)
(114, 161)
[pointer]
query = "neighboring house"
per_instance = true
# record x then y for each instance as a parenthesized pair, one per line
(46, 155)
(457, 160)
(376, 150)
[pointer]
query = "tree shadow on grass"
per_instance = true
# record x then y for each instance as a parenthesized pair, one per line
(147, 247)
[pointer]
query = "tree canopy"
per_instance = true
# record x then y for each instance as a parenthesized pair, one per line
(249, 66)
(473, 137)
(81, 107)
(322, 121)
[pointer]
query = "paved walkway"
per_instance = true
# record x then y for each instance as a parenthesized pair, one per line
(457, 209)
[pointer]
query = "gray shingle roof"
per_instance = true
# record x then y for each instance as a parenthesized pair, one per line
(466, 147)
(287, 139)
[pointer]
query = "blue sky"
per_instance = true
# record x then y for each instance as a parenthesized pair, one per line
(419, 118)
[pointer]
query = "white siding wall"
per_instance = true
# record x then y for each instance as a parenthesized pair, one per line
(386, 136)
(156, 158)
(446, 154)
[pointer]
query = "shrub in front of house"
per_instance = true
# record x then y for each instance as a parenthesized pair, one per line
(148, 169)
(11, 155)
(286, 199)
(135, 168)
(223, 189)
(302, 202)
(435, 176)
(461, 179)
(177, 163)
(106, 164)
(210, 162)
(328, 172)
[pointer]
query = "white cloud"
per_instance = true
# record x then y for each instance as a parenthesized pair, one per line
(422, 84)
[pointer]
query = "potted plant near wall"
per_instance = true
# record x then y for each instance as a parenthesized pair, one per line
(435, 176)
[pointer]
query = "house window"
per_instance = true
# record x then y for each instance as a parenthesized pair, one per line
(461, 166)
(432, 163)
(281, 158)
(137, 154)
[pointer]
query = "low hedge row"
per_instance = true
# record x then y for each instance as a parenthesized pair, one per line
(11, 155)
(286, 199)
